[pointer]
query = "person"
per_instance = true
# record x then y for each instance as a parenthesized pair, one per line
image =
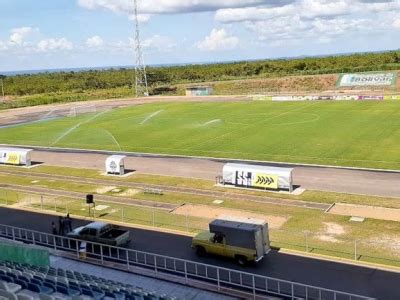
(61, 226)
(68, 224)
(53, 228)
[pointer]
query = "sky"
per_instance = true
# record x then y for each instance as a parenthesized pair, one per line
(51, 34)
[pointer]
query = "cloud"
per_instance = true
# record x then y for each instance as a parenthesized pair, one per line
(159, 43)
(318, 21)
(218, 39)
(396, 24)
(50, 45)
(94, 42)
(167, 6)
(19, 34)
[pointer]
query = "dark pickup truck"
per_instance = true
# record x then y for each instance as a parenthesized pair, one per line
(101, 233)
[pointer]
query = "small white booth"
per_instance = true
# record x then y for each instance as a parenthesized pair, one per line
(115, 164)
(15, 156)
(257, 176)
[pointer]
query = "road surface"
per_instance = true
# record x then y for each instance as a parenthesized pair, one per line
(365, 281)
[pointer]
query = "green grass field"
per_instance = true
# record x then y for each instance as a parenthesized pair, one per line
(359, 134)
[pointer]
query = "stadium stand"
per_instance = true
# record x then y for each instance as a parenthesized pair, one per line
(22, 281)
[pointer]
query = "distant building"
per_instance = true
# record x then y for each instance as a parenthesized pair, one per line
(199, 91)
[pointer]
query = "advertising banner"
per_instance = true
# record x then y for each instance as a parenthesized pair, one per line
(262, 98)
(265, 181)
(367, 79)
(371, 97)
(393, 97)
(11, 158)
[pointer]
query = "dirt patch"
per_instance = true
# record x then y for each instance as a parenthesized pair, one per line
(328, 238)
(373, 212)
(387, 242)
(331, 232)
(129, 192)
(333, 228)
(210, 212)
(105, 189)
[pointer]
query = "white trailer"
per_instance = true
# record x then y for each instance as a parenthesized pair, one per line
(115, 164)
(15, 156)
(257, 176)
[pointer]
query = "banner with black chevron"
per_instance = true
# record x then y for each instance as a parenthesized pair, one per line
(265, 181)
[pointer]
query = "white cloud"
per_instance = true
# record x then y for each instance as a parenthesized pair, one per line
(218, 39)
(19, 34)
(167, 6)
(320, 21)
(3, 46)
(49, 45)
(94, 42)
(159, 43)
(396, 24)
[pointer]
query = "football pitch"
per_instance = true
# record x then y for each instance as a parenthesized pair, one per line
(357, 134)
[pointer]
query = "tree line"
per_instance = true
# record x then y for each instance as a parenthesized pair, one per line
(162, 79)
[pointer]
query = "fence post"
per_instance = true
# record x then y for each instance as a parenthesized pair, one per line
(55, 204)
(306, 236)
(41, 202)
(77, 248)
(219, 284)
(187, 223)
(254, 287)
(186, 277)
(355, 250)
(154, 217)
(122, 214)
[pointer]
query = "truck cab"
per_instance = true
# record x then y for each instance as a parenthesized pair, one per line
(244, 240)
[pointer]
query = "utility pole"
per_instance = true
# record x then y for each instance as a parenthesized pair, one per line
(140, 68)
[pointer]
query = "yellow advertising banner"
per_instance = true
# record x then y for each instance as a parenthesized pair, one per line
(13, 158)
(265, 181)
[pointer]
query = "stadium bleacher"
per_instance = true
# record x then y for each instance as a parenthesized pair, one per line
(22, 281)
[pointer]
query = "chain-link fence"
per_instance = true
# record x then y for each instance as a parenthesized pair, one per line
(379, 250)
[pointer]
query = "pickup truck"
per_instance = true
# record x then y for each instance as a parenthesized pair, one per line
(101, 233)
(244, 240)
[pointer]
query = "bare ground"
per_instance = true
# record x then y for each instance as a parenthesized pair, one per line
(331, 232)
(373, 212)
(210, 212)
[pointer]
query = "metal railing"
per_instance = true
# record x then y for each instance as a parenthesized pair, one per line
(254, 286)
(356, 249)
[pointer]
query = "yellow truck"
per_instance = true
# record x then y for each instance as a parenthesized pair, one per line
(244, 240)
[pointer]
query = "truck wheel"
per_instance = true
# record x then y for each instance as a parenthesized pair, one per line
(241, 260)
(200, 251)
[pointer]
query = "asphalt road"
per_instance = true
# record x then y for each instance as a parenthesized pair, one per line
(338, 276)
(313, 178)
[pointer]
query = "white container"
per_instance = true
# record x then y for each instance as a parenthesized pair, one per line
(115, 164)
(15, 156)
(257, 176)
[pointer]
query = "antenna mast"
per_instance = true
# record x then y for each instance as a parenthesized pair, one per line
(140, 68)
